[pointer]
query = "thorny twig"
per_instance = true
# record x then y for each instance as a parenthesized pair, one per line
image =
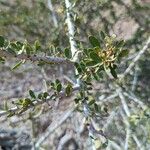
(46, 59)
(39, 102)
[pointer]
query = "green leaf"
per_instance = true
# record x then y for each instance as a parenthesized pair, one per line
(68, 90)
(2, 40)
(28, 49)
(17, 65)
(76, 100)
(19, 45)
(95, 76)
(92, 137)
(94, 41)
(53, 85)
(40, 96)
(6, 43)
(82, 65)
(97, 49)
(2, 60)
(27, 102)
(91, 102)
(91, 63)
(57, 81)
(96, 107)
(88, 83)
(67, 53)
(87, 51)
(95, 57)
(102, 34)
(45, 94)
(10, 50)
(20, 101)
(10, 113)
(6, 108)
(77, 65)
(82, 94)
(13, 45)
(104, 145)
(59, 87)
(119, 44)
(123, 53)
(113, 72)
(37, 45)
(32, 94)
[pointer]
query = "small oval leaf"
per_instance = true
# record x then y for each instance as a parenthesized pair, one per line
(17, 65)
(68, 90)
(2, 40)
(113, 72)
(95, 57)
(94, 41)
(67, 53)
(32, 94)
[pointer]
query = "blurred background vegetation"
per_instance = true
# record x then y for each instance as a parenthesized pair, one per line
(46, 21)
